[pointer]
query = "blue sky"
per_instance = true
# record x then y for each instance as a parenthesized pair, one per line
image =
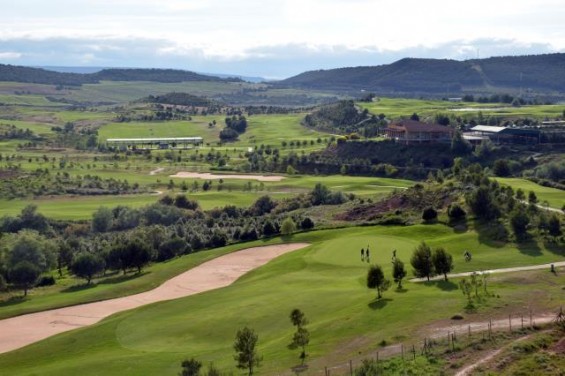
(272, 38)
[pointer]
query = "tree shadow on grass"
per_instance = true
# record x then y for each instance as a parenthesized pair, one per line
(122, 278)
(554, 248)
(81, 287)
(491, 233)
(529, 248)
(401, 290)
(379, 303)
(442, 285)
(13, 300)
(459, 226)
(106, 281)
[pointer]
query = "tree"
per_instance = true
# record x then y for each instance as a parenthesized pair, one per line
(86, 265)
(519, 221)
(24, 275)
(31, 247)
(398, 272)
(501, 168)
(482, 203)
(139, 254)
(554, 226)
(298, 318)
(455, 212)
(102, 219)
(245, 348)
(301, 337)
(443, 262)
(307, 223)
(429, 214)
(532, 198)
(263, 205)
(190, 367)
(421, 261)
(415, 117)
(459, 145)
(288, 226)
(376, 280)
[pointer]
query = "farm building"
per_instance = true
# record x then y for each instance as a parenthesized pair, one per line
(411, 131)
(155, 143)
(506, 135)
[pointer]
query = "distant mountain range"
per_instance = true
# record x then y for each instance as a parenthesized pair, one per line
(535, 74)
(98, 69)
(539, 73)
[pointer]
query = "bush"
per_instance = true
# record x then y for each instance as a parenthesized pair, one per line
(455, 212)
(46, 280)
(429, 214)
(307, 224)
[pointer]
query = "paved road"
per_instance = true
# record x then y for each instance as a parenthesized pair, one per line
(493, 271)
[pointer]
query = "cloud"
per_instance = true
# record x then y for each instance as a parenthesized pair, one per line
(272, 61)
(10, 55)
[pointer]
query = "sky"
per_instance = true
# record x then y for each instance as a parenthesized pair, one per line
(272, 38)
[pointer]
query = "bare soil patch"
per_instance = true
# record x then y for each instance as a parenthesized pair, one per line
(209, 176)
(23, 330)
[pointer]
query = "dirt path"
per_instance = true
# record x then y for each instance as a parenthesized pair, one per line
(207, 175)
(23, 330)
(156, 171)
(488, 356)
(493, 271)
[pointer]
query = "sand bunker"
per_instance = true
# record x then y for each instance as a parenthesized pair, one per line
(23, 330)
(209, 176)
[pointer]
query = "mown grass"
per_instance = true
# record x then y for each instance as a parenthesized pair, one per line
(554, 197)
(234, 192)
(325, 280)
(400, 107)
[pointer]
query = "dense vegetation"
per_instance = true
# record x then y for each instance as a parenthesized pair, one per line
(538, 72)
(179, 99)
(13, 73)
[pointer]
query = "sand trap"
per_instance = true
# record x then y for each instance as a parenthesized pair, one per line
(23, 330)
(209, 176)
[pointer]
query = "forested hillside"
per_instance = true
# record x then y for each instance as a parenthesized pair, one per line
(14, 73)
(537, 72)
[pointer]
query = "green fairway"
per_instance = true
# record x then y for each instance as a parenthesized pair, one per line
(233, 193)
(400, 107)
(554, 197)
(325, 280)
(262, 129)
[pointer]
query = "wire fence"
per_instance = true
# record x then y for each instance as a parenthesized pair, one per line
(452, 337)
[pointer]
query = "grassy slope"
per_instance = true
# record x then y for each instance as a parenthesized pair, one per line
(555, 197)
(397, 107)
(82, 207)
(325, 280)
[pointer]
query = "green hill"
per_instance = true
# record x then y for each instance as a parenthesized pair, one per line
(537, 72)
(14, 73)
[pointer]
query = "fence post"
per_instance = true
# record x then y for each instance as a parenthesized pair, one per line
(351, 367)
(414, 352)
(510, 323)
(522, 319)
(469, 329)
(326, 370)
(402, 350)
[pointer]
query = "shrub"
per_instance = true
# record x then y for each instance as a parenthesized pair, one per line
(429, 214)
(455, 212)
(46, 280)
